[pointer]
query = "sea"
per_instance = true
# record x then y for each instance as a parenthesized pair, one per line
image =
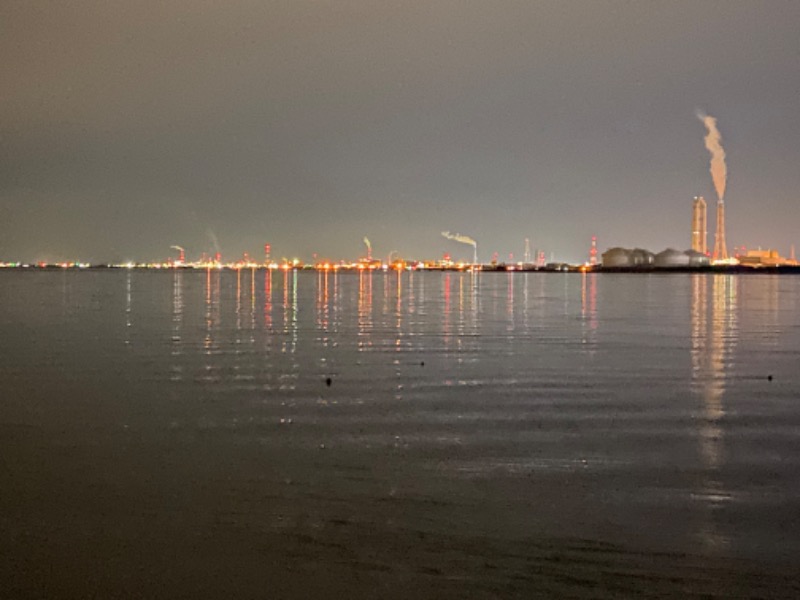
(299, 434)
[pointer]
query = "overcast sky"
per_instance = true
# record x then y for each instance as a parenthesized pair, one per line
(126, 127)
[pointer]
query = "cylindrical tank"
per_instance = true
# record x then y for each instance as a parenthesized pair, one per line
(697, 259)
(617, 257)
(641, 257)
(671, 258)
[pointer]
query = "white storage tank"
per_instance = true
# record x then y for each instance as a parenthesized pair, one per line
(617, 257)
(641, 257)
(697, 259)
(671, 258)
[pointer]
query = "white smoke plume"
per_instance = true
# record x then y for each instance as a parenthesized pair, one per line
(212, 236)
(457, 237)
(713, 139)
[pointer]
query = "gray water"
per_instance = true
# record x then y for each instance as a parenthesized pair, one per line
(173, 434)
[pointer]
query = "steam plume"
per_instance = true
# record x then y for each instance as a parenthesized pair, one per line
(457, 237)
(212, 236)
(713, 139)
(366, 242)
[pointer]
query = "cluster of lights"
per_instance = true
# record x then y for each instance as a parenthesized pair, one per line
(365, 263)
(286, 265)
(45, 265)
(206, 262)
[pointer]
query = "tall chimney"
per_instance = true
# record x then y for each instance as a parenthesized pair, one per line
(699, 225)
(720, 248)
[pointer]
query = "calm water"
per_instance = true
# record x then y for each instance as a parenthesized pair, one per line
(173, 434)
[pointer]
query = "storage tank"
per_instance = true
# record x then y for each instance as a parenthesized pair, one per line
(617, 257)
(697, 259)
(671, 258)
(641, 257)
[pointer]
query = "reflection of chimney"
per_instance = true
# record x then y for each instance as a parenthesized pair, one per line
(699, 227)
(720, 248)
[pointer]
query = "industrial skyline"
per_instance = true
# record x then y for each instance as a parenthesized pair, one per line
(126, 129)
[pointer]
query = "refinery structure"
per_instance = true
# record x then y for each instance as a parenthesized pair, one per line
(696, 258)
(615, 259)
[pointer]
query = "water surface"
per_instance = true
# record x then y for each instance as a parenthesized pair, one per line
(289, 434)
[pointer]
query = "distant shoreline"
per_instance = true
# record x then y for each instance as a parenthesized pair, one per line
(500, 268)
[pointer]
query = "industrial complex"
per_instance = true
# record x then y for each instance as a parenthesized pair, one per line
(698, 256)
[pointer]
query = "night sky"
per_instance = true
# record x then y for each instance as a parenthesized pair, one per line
(127, 127)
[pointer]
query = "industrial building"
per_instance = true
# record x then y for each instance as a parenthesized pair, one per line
(764, 258)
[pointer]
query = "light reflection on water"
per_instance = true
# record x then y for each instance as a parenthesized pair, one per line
(588, 310)
(177, 325)
(714, 342)
(464, 313)
(597, 402)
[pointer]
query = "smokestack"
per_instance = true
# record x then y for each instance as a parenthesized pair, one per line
(719, 173)
(720, 247)
(718, 168)
(182, 256)
(699, 225)
(457, 237)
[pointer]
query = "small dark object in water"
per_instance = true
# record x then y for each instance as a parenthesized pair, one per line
(328, 382)
(769, 377)
(422, 364)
